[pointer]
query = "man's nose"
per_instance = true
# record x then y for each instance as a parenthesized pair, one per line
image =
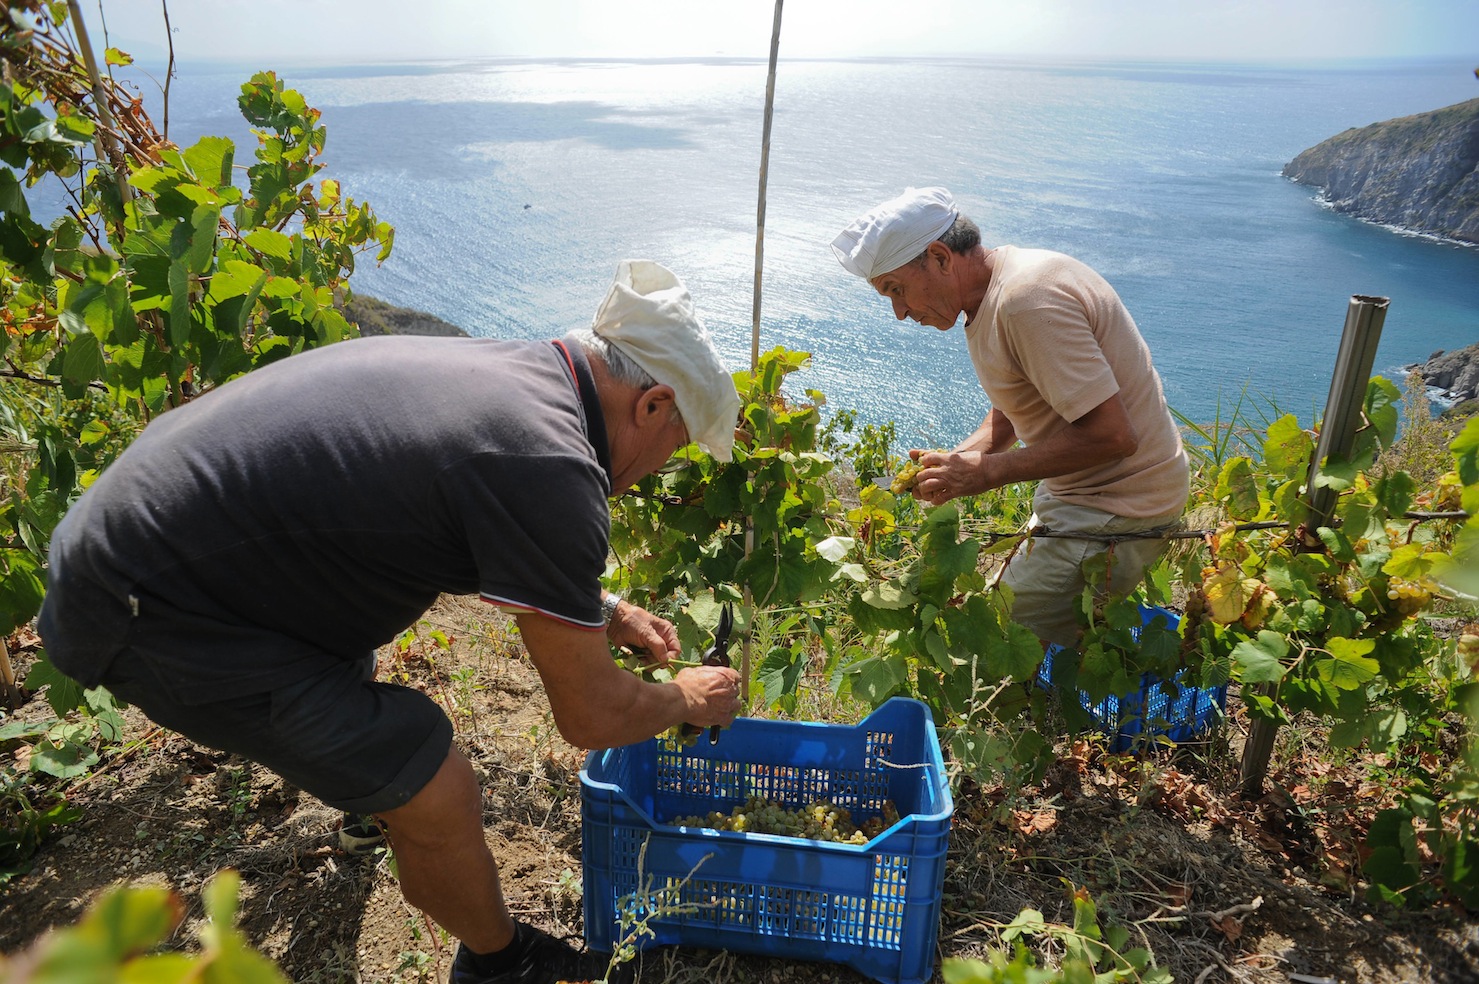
(901, 311)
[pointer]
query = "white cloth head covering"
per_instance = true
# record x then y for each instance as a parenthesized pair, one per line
(895, 232)
(648, 314)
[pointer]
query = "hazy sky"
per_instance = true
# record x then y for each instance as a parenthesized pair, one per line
(361, 30)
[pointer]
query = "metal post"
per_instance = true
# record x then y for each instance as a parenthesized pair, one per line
(1363, 322)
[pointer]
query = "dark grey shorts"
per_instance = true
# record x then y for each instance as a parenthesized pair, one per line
(358, 745)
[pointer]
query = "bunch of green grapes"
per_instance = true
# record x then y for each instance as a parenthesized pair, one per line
(1411, 597)
(905, 479)
(675, 736)
(820, 820)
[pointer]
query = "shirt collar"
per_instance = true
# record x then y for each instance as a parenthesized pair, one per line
(584, 382)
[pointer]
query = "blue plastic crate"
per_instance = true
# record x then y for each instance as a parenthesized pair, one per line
(873, 906)
(1180, 714)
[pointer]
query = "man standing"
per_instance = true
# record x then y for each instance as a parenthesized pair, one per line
(234, 571)
(1067, 374)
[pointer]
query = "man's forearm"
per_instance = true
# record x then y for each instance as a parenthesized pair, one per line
(996, 434)
(1102, 435)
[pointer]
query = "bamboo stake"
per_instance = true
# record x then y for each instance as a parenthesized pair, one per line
(107, 142)
(10, 692)
(775, 46)
(1363, 322)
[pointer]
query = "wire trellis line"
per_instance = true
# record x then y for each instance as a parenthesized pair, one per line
(1162, 533)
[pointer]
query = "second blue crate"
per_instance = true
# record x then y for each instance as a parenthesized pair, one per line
(1178, 711)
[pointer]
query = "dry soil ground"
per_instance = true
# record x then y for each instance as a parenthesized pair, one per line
(1219, 890)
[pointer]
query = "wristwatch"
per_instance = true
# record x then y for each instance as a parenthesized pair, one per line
(608, 606)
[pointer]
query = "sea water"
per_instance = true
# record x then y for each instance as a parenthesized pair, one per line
(516, 186)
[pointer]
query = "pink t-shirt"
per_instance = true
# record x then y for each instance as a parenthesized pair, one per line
(1050, 342)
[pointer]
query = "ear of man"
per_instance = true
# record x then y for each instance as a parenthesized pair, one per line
(938, 256)
(655, 406)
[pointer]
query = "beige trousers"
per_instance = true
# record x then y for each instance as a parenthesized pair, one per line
(1046, 574)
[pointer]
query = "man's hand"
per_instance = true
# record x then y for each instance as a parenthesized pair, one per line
(946, 475)
(712, 693)
(1103, 434)
(653, 638)
(598, 704)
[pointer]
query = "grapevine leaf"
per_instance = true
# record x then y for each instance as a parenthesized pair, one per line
(179, 303)
(979, 752)
(779, 673)
(1264, 707)
(1338, 544)
(1347, 734)
(163, 968)
(104, 710)
(1465, 448)
(1003, 545)
(1286, 498)
(204, 221)
(12, 197)
(1288, 447)
(210, 161)
(11, 730)
(1460, 870)
(1349, 667)
(82, 360)
(1260, 660)
(1461, 570)
(117, 56)
(1395, 492)
(1017, 656)
(1410, 560)
(1290, 581)
(1102, 673)
(971, 627)
(1337, 473)
(220, 896)
(1237, 487)
(62, 692)
(1387, 726)
(888, 595)
(1228, 593)
(877, 678)
(1383, 403)
(935, 648)
(270, 242)
(1028, 922)
(64, 760)
(21, 589)
(1393, 859)
(836, 548)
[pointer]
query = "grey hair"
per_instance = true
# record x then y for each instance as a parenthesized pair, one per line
(620, 365)
(960, 238)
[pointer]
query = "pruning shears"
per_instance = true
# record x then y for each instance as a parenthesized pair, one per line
(716, 655)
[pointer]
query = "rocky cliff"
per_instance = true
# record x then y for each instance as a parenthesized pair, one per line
(1455, 373)
(1418, 172)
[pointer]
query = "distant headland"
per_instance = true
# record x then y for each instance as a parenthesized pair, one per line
(375, 317)
(1419, 173)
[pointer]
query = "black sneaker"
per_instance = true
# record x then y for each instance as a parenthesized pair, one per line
(546, 960)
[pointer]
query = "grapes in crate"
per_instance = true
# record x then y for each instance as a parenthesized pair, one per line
(820, 820)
